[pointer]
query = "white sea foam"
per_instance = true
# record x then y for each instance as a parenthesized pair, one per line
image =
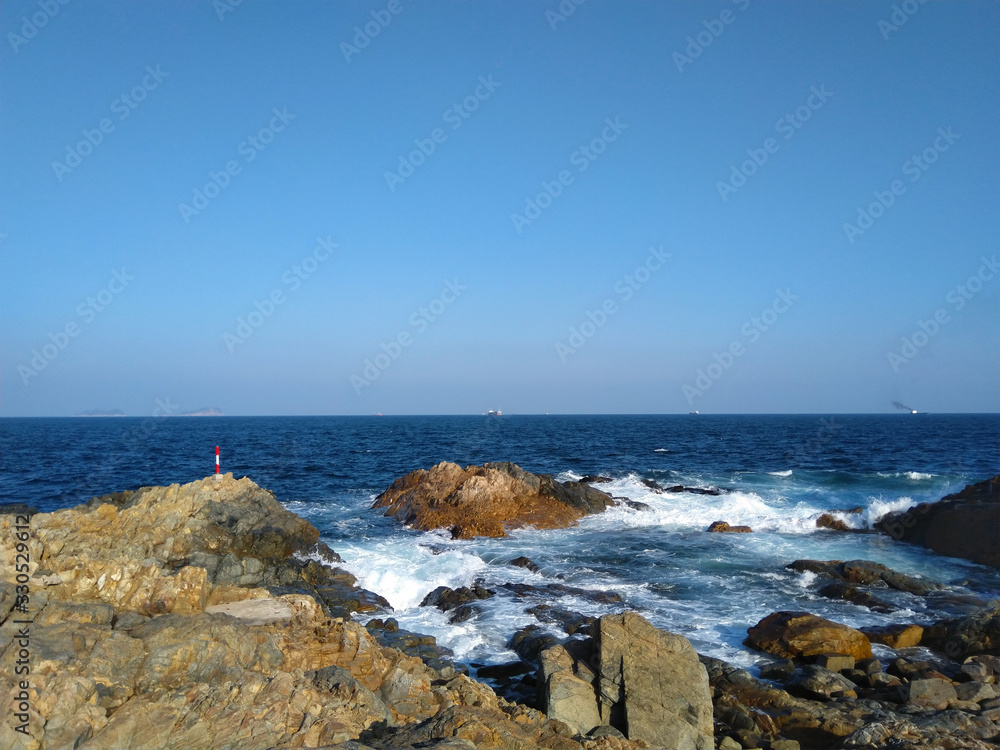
(661, 450)
(918, 475)
(785, 473)
(879, 507)
(404, 572)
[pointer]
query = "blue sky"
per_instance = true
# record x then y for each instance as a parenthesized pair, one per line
(832, 99)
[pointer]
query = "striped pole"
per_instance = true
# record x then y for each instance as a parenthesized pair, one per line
(216, 459)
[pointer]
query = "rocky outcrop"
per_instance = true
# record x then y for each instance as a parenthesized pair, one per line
(959, 637)
(865, 573)
(644, 682)
(800, 634)
(205, 616)
(487, 500)
(960, 525)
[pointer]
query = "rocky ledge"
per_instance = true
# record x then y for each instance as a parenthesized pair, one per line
(960, 525)
(487, 500)
(208, 616)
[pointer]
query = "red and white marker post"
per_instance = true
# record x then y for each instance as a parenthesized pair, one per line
(217, 475)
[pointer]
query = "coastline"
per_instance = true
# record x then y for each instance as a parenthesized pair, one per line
(211, 601)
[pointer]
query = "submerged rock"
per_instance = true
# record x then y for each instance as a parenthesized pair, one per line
(487, 500)
(960, 525)
(723, 527)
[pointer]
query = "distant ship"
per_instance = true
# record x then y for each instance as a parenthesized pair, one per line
(694, 412)
(492, 413)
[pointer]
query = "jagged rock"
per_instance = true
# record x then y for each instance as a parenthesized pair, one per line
(594, 479)
(800, 634)
(567, 689)
(964, 636)
(486, 500)
(723, 527)
(864, 572)
(960, 525)
(549, 590)
(713, 491)
(826, 521)
(572, 622)
(651, 683)
(814, 681)
(932, 693)
(529, 641)
(182, 548)
(445, 598)
(854, 595)
(895, 636)
(525, 562)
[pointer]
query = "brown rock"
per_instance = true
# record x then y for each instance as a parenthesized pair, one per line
(486, 500)
(723, 527)
(826, 521)
(895, 636)
(800, 634)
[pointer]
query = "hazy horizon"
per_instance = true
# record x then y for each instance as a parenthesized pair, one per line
(735, 207)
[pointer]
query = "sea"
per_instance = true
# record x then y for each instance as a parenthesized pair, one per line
(779, 473)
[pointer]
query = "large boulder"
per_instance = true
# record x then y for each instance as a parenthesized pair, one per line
(960, 525)
(487, 500)
(802, 635)
(651, 685)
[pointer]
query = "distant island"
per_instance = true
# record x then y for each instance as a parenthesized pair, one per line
(209, 411)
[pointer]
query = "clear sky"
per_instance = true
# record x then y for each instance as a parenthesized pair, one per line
(410, 207)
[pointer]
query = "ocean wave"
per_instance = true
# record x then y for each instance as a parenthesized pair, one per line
(785, 473)
(661, 450)
(404, 573)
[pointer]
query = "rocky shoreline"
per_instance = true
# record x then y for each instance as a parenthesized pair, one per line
(208, 616)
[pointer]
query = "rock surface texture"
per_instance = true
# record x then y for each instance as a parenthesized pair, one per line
(646, 683)
(486, 500)
(201, 616)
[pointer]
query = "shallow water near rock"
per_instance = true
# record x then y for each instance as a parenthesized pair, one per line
(780, 473)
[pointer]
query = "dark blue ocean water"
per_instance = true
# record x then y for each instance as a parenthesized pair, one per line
(783, 472)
